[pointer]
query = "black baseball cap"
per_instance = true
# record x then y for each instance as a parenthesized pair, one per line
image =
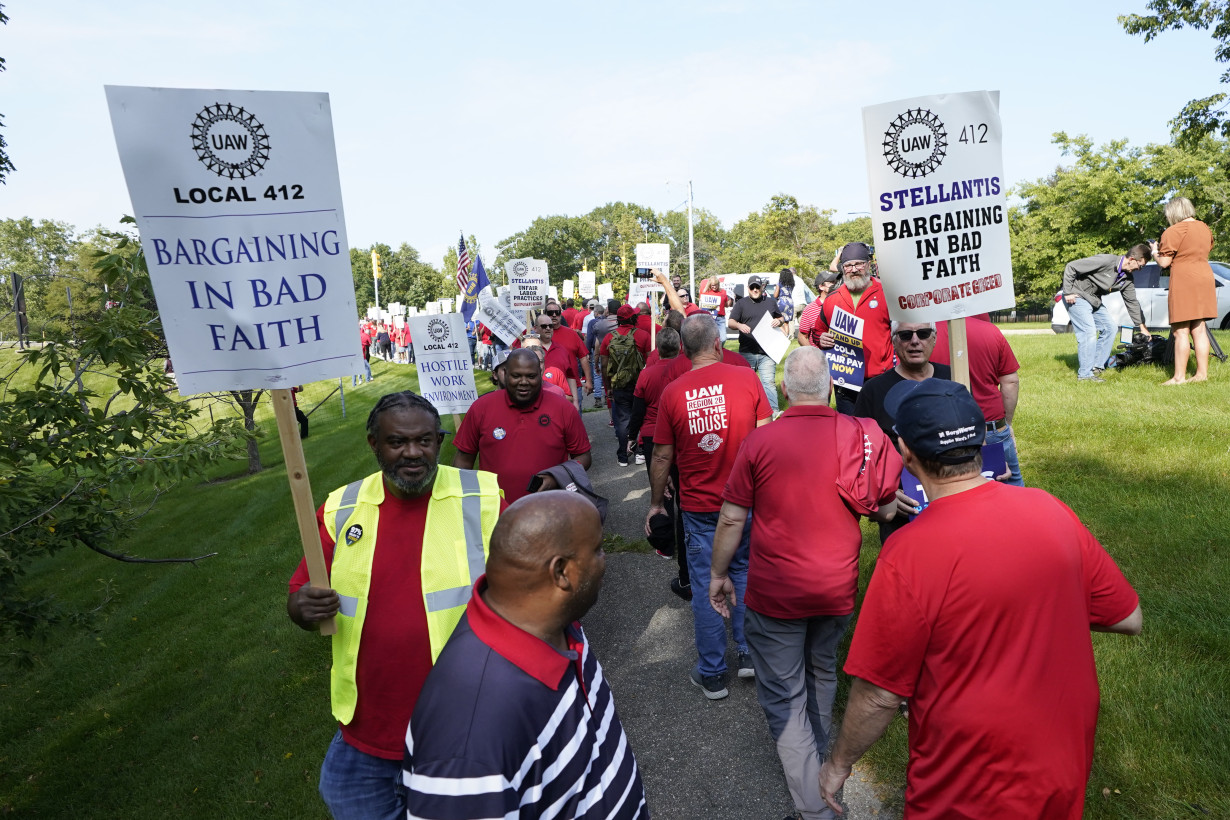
(935, 416)
(755, 282)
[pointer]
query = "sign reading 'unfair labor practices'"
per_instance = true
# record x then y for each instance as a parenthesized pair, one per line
(239, 207)
(442, 355)
(937, 204)
(847, 363)
(527, 282)
(650, 256)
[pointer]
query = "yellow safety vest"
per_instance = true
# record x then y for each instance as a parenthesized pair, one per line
(461, 514)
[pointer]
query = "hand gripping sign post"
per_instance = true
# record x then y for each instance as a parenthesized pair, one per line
(938, 210)
(239, 206)
(442, 355)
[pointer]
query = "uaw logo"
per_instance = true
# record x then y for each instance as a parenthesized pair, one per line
(437, 329)
(230, 141)
(520, 268)
(916, 143)
(710, 442)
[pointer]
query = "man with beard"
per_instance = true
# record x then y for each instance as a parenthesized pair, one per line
(413, 541)
(860, 295)
(521, 430)
(517, 718)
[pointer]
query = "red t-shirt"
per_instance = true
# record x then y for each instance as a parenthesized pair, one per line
(395, 652)
(644, 322)
(553, 379)
(705, 414)
(568, 316)
(877, 327)
(639, 337)
(517, 443)
(990, 356)
(979, 612)
(649, 387)
(792, 574)
(682, 364)
(560, 355)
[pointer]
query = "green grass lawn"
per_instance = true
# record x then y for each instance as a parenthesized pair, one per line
(194, 696)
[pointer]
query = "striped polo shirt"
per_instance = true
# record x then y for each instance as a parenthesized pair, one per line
(508, 726)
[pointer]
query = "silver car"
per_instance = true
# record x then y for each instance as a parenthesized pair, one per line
(1152, 288)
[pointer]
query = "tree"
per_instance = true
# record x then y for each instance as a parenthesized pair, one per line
(404, 277)
(37, 252)
(1207, 115)
(93, 434)
(786, 234)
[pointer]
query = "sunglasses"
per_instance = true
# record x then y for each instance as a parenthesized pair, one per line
(547, 326)
(922, 333)
(552, 312)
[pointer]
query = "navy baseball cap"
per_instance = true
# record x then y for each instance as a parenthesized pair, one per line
(935, 416)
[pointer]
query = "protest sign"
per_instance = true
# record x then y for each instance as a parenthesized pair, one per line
(527, 283)
(606, 291)
(495, 315)
(442, 356)
(652, 256)
(433, 308)
(847, 364)
(586, 284)
(239, 206)
(552, 293)
(938, 203)
(567, 288)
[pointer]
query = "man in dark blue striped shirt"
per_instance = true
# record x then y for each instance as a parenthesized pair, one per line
(516, 719)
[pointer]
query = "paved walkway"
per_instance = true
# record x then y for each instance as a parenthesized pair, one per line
(700, 759)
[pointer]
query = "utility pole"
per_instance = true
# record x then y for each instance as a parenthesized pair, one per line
(691, 246)
(376, 277)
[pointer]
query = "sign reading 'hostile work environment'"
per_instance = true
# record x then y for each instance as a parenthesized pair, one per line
(237, 200)
(442, 356)
(937, 205)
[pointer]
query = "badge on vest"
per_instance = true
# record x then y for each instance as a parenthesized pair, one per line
(499, 433)
(875, 303)
(353, 533)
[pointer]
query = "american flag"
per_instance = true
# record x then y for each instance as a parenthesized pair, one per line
(463, 265)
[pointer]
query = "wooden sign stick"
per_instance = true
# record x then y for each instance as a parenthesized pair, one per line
(958, 351)
(301, 493)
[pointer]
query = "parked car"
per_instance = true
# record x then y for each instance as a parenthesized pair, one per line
(1152, 288)
(736, 285)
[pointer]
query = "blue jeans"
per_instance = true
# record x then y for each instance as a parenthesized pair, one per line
(698, 530)
(1010, 457)
(766, 369)
(1095, 336)
(597, 371)
(358, 786)
(354, 380)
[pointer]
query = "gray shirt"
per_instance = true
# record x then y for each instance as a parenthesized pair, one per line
(1093, 277)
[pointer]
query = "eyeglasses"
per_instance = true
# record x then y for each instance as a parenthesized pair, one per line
(853, 265)
(923, 333)
(552, 312)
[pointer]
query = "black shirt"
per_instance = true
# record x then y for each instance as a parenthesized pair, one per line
(748, 311)
(870, 404)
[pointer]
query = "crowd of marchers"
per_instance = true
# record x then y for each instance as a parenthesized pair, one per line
(464, 686)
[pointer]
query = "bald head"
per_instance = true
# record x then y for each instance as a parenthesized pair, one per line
(524, 355)
(699, 335)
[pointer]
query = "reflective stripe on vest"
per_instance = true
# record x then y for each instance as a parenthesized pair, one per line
(460, 516)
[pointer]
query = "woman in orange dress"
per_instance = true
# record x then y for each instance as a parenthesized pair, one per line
(1184, 250)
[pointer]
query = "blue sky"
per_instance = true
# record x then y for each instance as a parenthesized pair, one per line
(483, 116)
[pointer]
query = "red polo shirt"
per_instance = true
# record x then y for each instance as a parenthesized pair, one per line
(560, 355)
(569, 316)
(990, 356)
(644, 322)
(705, 414)
(877, 327)
(516, 443)
(793, 574)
